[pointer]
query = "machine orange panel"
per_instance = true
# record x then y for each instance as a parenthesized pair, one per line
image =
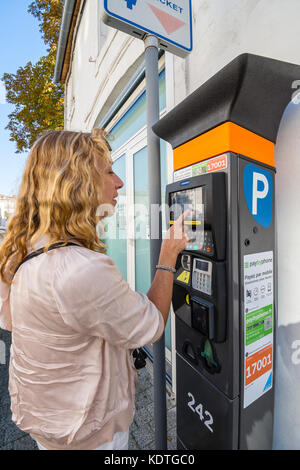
(228, 137)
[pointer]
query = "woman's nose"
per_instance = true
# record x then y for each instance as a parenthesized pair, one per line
(119, 183)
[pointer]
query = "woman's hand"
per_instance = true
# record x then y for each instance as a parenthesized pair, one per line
(174, 242)
(160, 292)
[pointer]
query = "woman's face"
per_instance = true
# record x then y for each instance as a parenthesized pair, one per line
(111, 184)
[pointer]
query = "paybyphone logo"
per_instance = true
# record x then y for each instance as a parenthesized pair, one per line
(258, 189)
(131, 3)
(255, 263)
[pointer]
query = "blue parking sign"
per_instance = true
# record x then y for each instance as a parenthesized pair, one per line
(258, 190)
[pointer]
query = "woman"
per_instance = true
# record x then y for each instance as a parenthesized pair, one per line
(74, 319)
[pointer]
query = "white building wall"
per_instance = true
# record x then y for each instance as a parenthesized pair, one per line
(224, 29)
(287, 416)
(103, 62)
(104, 59)
(7, 207)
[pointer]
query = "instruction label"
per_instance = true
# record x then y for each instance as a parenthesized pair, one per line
(258, 325)
(184, 277)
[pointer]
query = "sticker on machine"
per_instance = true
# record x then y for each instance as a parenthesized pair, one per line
(208, 166)
(258, 325)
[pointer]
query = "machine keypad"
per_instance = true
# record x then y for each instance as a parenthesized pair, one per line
(201, 280)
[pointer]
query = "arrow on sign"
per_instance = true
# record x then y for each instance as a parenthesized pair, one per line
(170, 23)
(130, 3)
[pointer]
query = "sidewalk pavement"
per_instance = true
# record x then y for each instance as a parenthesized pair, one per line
(141, 432)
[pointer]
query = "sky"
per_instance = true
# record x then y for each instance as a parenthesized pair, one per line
(20, 42)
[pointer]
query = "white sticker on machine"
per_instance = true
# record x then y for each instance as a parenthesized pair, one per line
(208, 166)
(258, 325)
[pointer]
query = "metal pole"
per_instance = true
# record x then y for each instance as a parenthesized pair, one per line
(154, 178)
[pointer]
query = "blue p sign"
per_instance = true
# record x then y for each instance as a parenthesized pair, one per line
(258, 189)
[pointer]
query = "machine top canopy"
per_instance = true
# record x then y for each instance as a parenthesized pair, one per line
(251, 91)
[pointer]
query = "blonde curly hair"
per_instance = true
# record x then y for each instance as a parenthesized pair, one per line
(60, 191)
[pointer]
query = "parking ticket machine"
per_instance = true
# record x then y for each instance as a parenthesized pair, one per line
(224, 296)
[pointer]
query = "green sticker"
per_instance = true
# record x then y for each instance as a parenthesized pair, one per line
(259, 324)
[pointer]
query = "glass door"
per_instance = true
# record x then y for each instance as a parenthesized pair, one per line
(142, 223)
(116, 226)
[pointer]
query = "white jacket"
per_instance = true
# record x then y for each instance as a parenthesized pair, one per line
(75, 322)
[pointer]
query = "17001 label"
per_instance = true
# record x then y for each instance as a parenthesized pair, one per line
(258, 364)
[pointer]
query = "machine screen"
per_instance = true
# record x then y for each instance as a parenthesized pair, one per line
(193, 200)
(201, 265)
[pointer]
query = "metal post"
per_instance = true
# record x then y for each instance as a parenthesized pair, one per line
(154, 178)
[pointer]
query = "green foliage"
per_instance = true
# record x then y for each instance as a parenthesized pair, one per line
(38, 102)
(49, 13)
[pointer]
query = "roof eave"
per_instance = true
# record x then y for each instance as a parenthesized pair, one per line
(69, 17)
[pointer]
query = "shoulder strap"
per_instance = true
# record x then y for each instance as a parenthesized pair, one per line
(41, 250)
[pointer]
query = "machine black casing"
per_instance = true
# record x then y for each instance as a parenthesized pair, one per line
(219, 390)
